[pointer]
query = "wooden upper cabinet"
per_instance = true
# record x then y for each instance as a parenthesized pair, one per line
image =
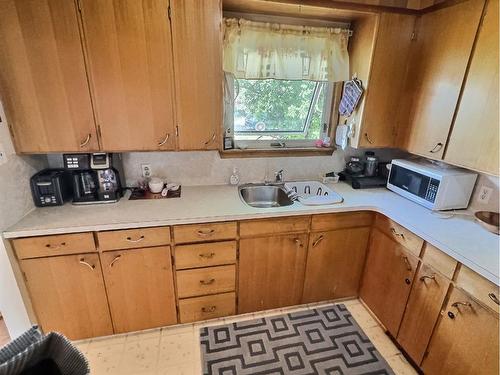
(128, 44)
(465, 341)
(68, 295)
(335, 262)
(439, 60)
(43, 83)
(387, 279)
(386, 83)
(473, 142)
(197, 49)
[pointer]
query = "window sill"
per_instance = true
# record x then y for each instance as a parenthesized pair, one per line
(266, 153)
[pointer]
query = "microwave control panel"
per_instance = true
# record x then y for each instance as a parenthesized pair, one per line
(430, 194)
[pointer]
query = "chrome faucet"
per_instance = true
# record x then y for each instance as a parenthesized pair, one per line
(279, 177)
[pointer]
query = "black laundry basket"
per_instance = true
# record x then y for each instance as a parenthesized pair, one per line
(33, 353)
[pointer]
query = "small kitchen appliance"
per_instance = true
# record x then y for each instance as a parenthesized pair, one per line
(95, 178)
(50, 187)
(437, 187)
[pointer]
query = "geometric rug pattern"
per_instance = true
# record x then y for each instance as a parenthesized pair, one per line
(325, 340)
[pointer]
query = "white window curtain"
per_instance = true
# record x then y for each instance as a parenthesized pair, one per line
(257, 50)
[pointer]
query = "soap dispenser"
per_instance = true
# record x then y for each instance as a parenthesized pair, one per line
(235, 177)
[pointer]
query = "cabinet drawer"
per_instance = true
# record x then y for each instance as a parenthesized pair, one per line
(400, 234)
(479, 287)
(133, 238)
(207, 307)
(36, 247)
(205, 254)
(202, 281)
(253, 228)
(341, 221)
(204, 232)
(439, 261)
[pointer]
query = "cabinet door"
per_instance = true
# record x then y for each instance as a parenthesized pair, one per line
(197, 41)
(68, 295)
(129, 50)
(335, 262)
(473, 141)
(422, 311)
(271, 272)
(387, 280)
(140, 288)
(443, 46)
(465, 341)
(43, 82)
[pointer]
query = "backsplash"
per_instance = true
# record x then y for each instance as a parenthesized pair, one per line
(492, 182)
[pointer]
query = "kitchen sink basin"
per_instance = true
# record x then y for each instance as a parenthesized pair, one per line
(264, 196)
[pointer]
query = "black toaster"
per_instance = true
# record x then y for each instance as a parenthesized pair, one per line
(51, 187)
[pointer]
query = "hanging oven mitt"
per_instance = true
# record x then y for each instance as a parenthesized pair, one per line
(353, 90)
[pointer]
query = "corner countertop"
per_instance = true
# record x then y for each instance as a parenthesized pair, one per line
(460, 236)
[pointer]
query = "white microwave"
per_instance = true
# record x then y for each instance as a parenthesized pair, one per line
(433, 186)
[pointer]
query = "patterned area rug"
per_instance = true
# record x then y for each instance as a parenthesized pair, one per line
(325, 340)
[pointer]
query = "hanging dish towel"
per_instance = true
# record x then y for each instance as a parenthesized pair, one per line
(352, 93)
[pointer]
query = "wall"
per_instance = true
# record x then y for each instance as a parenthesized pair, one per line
(15, 202)
(492, 182)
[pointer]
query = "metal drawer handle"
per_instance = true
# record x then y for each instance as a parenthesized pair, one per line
(368, 139)
(206, 255)
(431, 277)
(161, 143)
(397, 234)
(86, 141)
(50, 246)
(82, 261)
(436, 148)
(207, 282)
(318, 240)
(210, 309)
(494, 298)
(460, 303)
(408, 264)
(129, 239)
(206, 233)
(212, 138)
(116, 259)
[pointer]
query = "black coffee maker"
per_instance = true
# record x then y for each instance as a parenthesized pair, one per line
(94, 178)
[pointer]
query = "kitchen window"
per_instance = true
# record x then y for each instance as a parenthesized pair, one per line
(279, 83)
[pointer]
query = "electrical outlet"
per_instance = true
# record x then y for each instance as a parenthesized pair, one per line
(146, 170)
(3, 155)
(484, 194)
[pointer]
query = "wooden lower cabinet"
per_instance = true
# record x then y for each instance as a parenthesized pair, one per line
(140, 288)
(387, 279)
(271, 272)
(465, 341)
(335, 262)
(68, 295)
(422, 311)
(207, 307)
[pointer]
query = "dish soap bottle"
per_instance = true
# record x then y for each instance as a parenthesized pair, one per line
(235, 177)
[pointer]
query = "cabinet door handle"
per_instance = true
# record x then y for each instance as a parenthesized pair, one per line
(206, 233)
(494, 298)
(129, 239)
(211, 139)
(162, 142)
(318, 240)
(436, 148)
(207, 282)
(397, 234)
(82, 261)
(298, 242)
(50, 246)
(206, 255)
(430, 277)
(460, 303)
(210, 309)
(408, 264)
(116, 259)
(368, 139)
(86, 141)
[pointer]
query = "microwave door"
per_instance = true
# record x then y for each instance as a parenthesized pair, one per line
(411, 181)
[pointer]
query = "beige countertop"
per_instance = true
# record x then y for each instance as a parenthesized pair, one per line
(460, 237)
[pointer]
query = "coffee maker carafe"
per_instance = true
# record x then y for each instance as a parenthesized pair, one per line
(94, 178)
